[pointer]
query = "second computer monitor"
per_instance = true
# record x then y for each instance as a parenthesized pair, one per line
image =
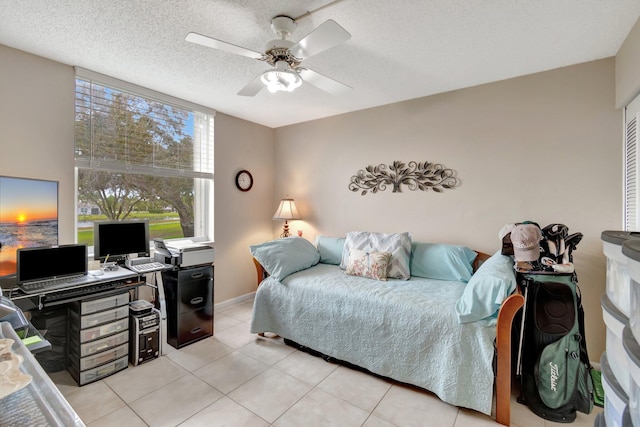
(117, 239)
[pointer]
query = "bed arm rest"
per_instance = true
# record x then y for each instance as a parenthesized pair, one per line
(481, 258)
(262, 273)
(507, 312)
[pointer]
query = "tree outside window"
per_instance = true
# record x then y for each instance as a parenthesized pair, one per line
(138, 157)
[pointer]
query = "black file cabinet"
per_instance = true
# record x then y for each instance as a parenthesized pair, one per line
(189, 299)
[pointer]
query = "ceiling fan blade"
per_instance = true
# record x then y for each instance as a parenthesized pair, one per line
(325, 83)
(327, 35)
(252, 88)
(220, 45)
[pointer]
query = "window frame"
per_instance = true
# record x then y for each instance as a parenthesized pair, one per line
(203, 142)
(630, 165)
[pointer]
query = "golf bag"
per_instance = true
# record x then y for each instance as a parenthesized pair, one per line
(555, 367)
(557, 244)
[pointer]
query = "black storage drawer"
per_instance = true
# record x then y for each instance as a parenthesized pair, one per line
(194, 326)
(194, 273)
(195, 293)
(189, 302)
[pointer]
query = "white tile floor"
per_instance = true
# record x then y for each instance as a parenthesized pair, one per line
(239, 379)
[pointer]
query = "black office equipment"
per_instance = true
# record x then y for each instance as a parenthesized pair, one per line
(118, 239)
(144, 327)
(47, 268)
(189, 298)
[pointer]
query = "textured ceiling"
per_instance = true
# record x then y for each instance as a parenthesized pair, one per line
(399, 49)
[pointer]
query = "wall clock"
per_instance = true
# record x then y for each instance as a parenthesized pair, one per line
(244, 180)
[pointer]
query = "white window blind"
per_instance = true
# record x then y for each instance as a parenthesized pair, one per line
(126, 128)
(631, 198)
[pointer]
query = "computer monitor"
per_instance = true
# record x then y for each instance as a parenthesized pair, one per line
(50, 262)
(117, 239)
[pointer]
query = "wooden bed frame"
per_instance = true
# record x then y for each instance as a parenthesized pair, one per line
(507, 312)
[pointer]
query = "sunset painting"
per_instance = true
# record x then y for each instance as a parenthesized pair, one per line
(28, 217)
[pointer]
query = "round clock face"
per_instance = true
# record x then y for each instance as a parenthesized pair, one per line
(244, 180)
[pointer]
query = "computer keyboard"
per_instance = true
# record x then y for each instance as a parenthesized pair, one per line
(54, 284)
(147, 267)
(102, 288)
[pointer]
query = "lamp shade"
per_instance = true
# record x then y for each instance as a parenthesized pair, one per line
(287, 210)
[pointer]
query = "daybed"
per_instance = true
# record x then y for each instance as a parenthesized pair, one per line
(435, 332)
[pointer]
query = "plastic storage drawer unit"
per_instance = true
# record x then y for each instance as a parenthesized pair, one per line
(618, 286)
(96, 346)
(103, 371)
(104, 357)
(104, 330)
(101, 304)
(632, 350)
(615, 323)
(104, 317)
(616, 400)
(98, 337)
(599, 421)
(631, 249)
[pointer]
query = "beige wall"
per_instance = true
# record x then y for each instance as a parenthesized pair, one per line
(37, 141)
(36, 126)
(544, 147)
(628, 68)
(241, 218)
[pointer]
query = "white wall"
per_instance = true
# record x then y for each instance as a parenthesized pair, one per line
(544, 147)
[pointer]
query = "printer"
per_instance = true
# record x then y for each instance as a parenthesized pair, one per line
(184, 252)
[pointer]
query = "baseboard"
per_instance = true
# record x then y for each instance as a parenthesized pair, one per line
(232, 301)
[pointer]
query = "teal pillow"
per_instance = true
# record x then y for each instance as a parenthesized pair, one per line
(494, 281)
(283, 257)
(330, 249)
(441, 261)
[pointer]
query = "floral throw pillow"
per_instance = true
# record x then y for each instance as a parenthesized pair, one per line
(398, 244)
(373, 265)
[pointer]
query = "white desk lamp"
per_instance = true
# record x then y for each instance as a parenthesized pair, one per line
(286, 210)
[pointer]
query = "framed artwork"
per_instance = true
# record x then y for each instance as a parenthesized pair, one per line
(28, 217)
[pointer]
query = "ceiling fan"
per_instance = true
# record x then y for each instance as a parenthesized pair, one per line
(286, 57)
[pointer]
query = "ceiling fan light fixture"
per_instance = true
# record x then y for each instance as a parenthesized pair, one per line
(278, 80)
(286, 56)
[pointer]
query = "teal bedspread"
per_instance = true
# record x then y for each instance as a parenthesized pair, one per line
(404, 330)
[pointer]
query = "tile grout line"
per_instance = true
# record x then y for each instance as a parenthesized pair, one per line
(378, 404)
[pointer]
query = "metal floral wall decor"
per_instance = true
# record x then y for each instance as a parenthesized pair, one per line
(417, 176)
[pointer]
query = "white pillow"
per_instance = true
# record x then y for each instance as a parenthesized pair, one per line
(399, 245)
(373, 265)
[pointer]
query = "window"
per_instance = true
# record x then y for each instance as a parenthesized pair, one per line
(631, 211)
(141, 154)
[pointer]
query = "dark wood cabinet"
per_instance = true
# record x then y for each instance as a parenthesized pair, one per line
(189, 300)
